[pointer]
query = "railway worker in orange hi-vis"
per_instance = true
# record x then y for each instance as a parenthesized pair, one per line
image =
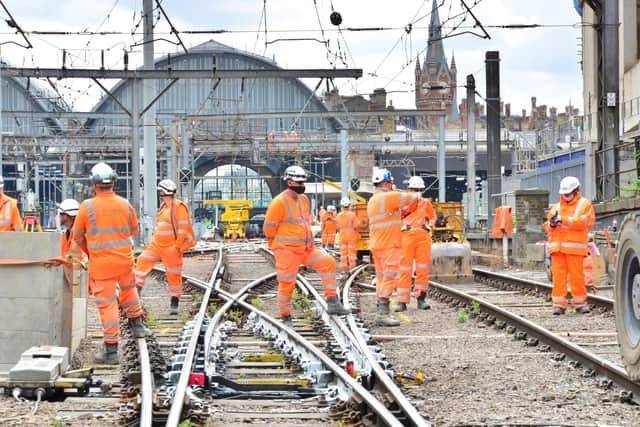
(416, 246)
(329, 227)
(67, 212)
(569, 223)
(172, 236)
(103, 229)
(10, 219)
(385, 221)
(348, 224)
(287, 227)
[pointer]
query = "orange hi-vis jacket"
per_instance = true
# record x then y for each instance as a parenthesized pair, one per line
(348, 224)
(68, 245)
(424, 213)
(385, 220)
(503, 222)
(173, 227)
(572, 235)
(329, 224)
(287, 223)
(102, 230)
(10, 219)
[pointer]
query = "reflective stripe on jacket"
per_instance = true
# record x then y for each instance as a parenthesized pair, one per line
(10, 219)
(385, 220)
(287, 223)
(572, 235)
(173, 226)
(348, 224)
(424, 213)
(102, 230)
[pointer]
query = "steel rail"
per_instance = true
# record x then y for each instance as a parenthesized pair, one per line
(146, 384)
(373, 403)
(181, 388)
(403, 403)
(529, 284)
(587, 359)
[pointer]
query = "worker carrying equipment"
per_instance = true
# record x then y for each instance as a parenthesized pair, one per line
(416, 246)
(385, 222)
(287, 227)
(348, 224)
(10, 219)
(569, 223)
(103, 229)
(172, 236)
(329, 227)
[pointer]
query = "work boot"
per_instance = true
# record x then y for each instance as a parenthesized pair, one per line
(174, 305)
(400, 307)
(109, 356)
(287, 321)
(583, 309)
(383, 316)
(138, 329)
(422, 304)
(558, 311)
(335, 307)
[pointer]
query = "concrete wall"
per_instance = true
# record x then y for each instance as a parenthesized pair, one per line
(35, 302)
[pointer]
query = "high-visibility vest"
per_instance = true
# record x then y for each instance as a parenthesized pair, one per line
(572, 235)
(385, 221)
(348, 223)
(287, 223)
(424, 213)
(10, 219)
(329, 224)
(502, 223)
(173, 226)
(103, 229)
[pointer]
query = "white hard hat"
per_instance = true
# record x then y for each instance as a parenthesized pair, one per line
(1, 181)
(345, 202)
(380, 175)
(167, 186)
(69, 207)
(331, 208)
(295, 173)
(568, 184)
(102, 173)
(416, 182)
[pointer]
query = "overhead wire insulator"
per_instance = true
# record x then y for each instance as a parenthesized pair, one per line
(335, 18)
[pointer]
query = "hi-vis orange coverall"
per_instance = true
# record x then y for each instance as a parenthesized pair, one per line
(385, 222)
(416, 245)
(329, 229)
(568, 243)
(348, 224)
(10, 219)
(103, 230)
(287, 226)
(172, 236)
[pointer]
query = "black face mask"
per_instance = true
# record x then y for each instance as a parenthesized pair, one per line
(299, 189)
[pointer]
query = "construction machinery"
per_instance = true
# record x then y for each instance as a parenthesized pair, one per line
(235, 216)
(450, 252)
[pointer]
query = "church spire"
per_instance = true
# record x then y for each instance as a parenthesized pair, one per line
(435, 48)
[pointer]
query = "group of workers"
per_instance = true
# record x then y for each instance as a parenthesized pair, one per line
(399, 227)
(97, 233)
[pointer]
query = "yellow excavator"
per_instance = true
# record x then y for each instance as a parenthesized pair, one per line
(235, 216)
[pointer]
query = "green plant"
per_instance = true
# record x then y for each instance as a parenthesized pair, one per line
(235, 315)
(185, 318)
(462, 315)
(151, 320)
(186, 423)
(213, 307)
(55, 422)
(475, 307)
(257, 302)
(197, 298)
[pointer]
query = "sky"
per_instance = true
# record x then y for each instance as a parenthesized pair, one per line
(541, 62)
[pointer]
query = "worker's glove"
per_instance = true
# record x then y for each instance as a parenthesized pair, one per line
(427, 227)
(404, 227)
(555, 220)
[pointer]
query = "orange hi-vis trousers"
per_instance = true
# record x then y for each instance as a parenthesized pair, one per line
(328, 238)
(563, 265)
(104, 291)
(347, 254)
(287, 265)
(416, 245)
(387, 262)
(172, 261)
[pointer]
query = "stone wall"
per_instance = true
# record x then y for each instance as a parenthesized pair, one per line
(529, 216)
